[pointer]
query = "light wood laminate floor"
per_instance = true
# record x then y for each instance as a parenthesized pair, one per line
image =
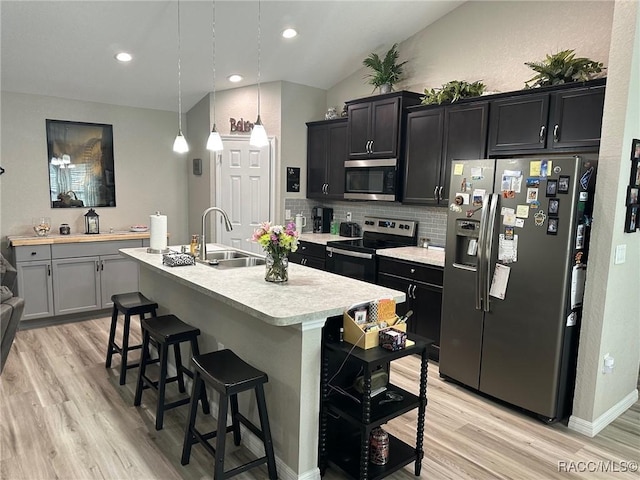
(64, 416)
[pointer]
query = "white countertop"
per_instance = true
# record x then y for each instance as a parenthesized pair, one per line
(322, 238)
(55, 238)
(309, 294)
(428, 256)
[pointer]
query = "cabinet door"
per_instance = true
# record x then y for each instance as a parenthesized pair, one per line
(118, 274)
(359, 130)
(316, 160)
(385, 123)
(465, 138)
(518, 124)
(422, 160)
(577, 119)
(77, 285)
(427, 309)
(35, 285)
(315, 262)
(396, 283)
(336, 155)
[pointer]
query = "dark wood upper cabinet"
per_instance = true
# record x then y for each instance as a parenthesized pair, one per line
(375, 125)
(423, 156)
(437, 135)
(565, 118)
(326, 153)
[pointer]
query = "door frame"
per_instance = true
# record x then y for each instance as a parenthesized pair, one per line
(217, 181)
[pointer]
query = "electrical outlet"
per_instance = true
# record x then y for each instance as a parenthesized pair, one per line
(287, 214)
(608, 364)
(348, 216)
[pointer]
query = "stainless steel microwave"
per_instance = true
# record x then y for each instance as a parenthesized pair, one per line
(371, 179)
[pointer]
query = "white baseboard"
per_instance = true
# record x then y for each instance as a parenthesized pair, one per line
(591, 429)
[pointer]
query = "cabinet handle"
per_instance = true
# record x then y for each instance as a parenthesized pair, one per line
(371, 147)
(440, 193)
(303, 248)
(413, 270)
(413, 292)
(101, 265)
(49, 270)
(541, 135)
(34, 253)
(435, 192)
(97, 266)
(555, 133)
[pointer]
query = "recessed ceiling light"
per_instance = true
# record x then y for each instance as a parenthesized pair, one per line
(124, 57)
(289, 33)
(235, 78)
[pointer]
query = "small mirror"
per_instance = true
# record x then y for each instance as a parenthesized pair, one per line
(81, 172)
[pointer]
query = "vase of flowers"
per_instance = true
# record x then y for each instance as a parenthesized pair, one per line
(277, 241)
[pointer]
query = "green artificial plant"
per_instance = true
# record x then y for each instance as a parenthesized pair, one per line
(452, 91)
(385, 71)
(562, 67)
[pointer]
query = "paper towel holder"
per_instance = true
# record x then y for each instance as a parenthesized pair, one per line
(157, 250)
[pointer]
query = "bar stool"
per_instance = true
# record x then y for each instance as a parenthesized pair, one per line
(229, 375)
(133, 303)
(165, 331)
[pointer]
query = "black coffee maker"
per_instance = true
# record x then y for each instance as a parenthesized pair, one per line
(321, 219)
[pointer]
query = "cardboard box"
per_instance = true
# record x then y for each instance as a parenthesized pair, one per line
(354, 334)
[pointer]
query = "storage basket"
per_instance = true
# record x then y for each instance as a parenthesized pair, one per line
(355, 334)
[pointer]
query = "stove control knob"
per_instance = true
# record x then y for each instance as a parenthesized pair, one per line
(407, 227)
(401, 226)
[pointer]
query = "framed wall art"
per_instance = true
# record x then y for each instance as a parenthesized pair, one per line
(81, 165)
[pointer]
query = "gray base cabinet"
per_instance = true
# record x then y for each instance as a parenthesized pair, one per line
(35, 285)
(63, 279)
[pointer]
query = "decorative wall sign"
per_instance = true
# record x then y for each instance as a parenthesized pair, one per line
(293, 179)
(240, 126)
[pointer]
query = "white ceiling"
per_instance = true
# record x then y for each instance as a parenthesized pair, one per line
(66, 48)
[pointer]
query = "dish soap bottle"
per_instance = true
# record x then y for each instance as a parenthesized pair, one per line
(193, 247)
(335, 226)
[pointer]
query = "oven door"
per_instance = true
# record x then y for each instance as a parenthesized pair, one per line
(358, 265)
(371, 179)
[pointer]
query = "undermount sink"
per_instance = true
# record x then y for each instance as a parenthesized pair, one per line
(232, 259)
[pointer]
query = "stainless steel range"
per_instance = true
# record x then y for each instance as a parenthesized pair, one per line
(357, 258)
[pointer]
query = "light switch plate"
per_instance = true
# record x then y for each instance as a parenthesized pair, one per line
(621, 254)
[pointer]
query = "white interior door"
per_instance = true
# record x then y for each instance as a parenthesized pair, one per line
(244, 189)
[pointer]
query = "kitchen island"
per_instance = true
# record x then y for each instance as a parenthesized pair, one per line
(275, 327)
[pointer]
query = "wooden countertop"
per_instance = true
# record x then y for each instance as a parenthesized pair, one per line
(18, 241)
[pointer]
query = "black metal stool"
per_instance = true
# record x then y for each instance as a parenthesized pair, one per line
(128, 304)
(229, 375)
(165, 331)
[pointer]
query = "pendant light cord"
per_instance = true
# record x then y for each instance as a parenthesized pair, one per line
(214, 62)
(179, 77)
(259, 47)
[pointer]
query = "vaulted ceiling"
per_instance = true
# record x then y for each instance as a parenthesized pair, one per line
(66, 48)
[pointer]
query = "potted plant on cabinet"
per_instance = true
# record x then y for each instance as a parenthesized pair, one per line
(385, 71)
(453, 91)
(562, 67)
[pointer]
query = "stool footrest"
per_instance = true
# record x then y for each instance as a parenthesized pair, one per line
(245, 421)
(243, 468)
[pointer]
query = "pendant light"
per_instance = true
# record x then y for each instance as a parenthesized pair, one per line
(214, 142)
(180, 143)
(258, 133)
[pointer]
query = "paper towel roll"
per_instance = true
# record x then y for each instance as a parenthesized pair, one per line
(158, 240)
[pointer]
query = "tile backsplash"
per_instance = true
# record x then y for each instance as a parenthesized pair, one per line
(432, 221)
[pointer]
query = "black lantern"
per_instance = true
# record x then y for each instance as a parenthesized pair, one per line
(91, 222)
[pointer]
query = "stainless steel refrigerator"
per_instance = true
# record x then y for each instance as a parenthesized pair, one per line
(516, 256)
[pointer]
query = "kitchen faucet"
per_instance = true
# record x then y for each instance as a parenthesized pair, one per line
(203, 242)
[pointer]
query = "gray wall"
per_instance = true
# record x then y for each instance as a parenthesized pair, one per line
(149, 176)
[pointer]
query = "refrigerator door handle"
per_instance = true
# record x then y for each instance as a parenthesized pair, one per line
(465, 267)
(489, 229)
(480, 262)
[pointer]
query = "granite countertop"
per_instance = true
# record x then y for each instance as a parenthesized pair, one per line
(429, 256)
(17, 241)
(322, 238)
(309, 294)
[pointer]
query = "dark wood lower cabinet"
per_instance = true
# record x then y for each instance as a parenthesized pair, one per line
(423, 287)
(309, 254)
(347, 417)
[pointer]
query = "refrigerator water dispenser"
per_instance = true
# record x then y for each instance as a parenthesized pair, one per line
(467, 241)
